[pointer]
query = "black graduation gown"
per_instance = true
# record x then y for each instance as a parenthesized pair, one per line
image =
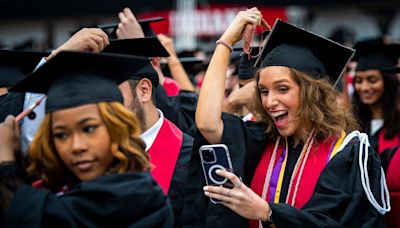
(176, 191)
(373, 140)
(338, 201)
(180, 109)
(118, 200)
(11, 104)
(198, 211)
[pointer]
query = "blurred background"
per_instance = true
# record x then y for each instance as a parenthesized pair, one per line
(46, 24)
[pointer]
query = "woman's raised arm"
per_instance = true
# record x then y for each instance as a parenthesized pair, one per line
(211, 98)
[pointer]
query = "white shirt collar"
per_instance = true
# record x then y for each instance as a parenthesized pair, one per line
(150, 135)
(376, 124)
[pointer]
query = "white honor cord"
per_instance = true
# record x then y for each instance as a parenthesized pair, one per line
(364, 144)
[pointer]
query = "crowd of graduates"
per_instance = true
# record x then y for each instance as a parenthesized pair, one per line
(105, 130)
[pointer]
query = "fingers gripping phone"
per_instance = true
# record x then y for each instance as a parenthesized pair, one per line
(214, 157)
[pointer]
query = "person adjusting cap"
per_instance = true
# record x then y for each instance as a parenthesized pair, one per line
(72, 79)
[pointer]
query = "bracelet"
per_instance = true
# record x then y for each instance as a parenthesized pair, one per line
(223, 42)
(52, 53)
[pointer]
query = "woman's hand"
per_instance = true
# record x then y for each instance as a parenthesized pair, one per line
(240, 198)
(9, 139)
(168, 44)
(85, 40)
(128, 27)
(234, 32)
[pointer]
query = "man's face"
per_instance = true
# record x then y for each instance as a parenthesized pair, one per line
(132, 101)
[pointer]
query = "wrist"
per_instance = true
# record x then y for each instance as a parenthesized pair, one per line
(52, 54)
(225, 43)
(228, 39)
(173, 61)
(232, 103)
(266, 213)
(172, 57)
(6, 155)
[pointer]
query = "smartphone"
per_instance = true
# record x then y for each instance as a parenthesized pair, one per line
(214, 157)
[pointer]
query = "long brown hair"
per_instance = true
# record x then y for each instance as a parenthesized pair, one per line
(319, 108)
(390, 107)
(126, 146)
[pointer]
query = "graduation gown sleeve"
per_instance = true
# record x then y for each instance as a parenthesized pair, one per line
(12, 176)
(176, 192)
(118, 200)
(179, 109)
(243, 141)
(11, 104)
(339, 199)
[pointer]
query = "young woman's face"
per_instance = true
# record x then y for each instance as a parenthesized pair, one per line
(280, 97)
(369, 86)
(82, 141)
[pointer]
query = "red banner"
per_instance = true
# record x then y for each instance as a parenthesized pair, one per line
(210, 21)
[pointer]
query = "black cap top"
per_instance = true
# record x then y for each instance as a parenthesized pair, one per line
(247, 68)
(149, 47)
(294, 47)
(72, 79)
(375, 54)
(111, 29)
(146, 27)
(15, 65)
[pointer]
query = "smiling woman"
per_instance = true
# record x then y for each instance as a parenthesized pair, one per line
(376, 91)
(378, 111)
(299, 163)
(88, 154)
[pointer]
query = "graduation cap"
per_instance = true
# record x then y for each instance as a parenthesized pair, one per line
(375, 54)
(247, 67)
(15, 65)
(72, 79)
(395, 69)
(111, 29)
(294, 47)
(146, 72)
(140, 47)
(148, 46)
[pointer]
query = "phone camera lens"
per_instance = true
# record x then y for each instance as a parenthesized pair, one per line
(208, 155)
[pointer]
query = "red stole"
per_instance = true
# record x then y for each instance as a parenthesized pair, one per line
(164, 153)
(393, 183)
(39, 184)
(316, 162)
(384, 143)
